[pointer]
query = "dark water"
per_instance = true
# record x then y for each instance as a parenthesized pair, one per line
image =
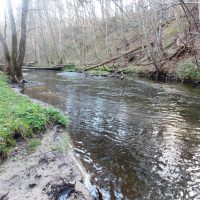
(138, 139)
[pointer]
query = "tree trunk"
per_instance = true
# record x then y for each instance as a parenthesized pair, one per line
(14, 60)
(115, 58)
(8, 65)
(22, 44)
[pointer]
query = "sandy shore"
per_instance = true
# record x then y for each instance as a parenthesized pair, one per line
(45, 174)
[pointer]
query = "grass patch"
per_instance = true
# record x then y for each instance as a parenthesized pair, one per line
(32, 145)
(98, 72)
(72, 68)
(19, 116)
(187, 71)
(102, 70)
(62, 146)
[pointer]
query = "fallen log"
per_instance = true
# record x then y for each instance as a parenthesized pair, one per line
(177, 52)
(115, 58)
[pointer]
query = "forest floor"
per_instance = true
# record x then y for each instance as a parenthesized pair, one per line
(37, 160)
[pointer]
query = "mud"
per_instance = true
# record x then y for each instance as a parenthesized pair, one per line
(44, 174)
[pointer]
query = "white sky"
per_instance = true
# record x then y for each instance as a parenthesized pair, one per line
(3, 7)
(17, 2)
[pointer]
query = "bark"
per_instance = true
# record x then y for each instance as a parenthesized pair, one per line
(9, 65)
(14, 60)
(22, 44)
(13, 32)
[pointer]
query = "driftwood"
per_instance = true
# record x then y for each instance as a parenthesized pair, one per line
(115, 58)
(57, 67)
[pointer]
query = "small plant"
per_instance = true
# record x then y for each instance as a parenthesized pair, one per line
(32, 145)
(187, 71)
(71, 68)
(62, 145)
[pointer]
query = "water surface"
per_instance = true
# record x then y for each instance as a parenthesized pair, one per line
(138, 139)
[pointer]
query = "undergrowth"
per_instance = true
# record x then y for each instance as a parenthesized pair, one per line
(19, 117)
(187, 71)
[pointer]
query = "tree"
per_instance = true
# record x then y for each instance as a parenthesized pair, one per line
(15, 56)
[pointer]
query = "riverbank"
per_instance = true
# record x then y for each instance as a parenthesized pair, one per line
(40, 163)
(50, 172)
(180, 71)
(21, 119)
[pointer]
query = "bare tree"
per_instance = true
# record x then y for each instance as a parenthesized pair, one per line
(14, 57)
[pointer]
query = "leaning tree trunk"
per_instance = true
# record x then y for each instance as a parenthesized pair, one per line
(22, 44)
(8, 64)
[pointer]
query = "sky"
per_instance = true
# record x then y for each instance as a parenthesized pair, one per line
(17, 2)
(3, 7)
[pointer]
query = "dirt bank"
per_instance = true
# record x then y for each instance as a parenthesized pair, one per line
(51, 172)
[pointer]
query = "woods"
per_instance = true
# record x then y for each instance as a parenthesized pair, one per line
(100, 32)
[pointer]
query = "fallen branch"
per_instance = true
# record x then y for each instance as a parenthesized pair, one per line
(177, 52)
(115, 58)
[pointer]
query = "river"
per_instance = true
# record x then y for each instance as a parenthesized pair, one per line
(138, 139)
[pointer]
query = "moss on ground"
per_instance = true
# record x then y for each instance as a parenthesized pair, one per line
(19, 117)
(104, 70)
(73, 68)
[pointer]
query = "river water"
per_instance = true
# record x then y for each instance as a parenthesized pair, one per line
(138, 139)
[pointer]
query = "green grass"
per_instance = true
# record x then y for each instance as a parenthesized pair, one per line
(73, 68)
(98, 72)
(19, 116)
(102, 71)
(32, 144)
(187, 71)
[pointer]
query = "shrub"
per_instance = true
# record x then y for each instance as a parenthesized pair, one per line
(187, 71)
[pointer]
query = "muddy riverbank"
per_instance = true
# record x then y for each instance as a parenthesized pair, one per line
(44, 166)
(51, 172)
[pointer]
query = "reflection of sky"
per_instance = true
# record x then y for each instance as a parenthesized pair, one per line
(134, 133)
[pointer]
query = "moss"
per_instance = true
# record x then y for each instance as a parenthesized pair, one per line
(19, 116)
(187, 71)
(98, 72)
(74, 68)
(103, 70)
